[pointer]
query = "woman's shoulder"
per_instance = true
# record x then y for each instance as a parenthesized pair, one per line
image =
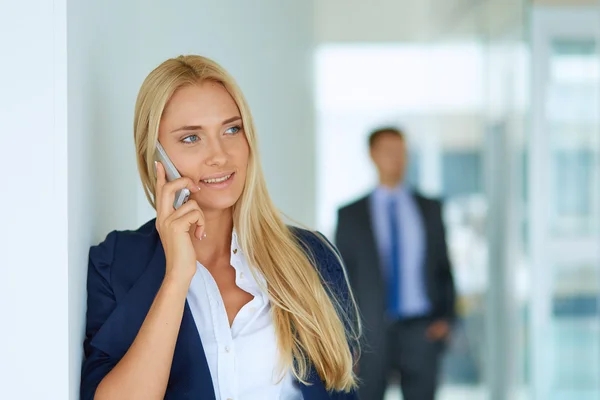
(130, 248)
(322, 252)
(313, 241)
(124, 241)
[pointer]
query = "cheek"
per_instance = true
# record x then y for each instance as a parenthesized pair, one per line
(242, 155)
(191, 165)
(393, 164)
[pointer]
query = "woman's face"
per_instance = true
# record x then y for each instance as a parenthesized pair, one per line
(201, 130)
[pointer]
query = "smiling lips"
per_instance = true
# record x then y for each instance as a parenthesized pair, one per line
(219, 181)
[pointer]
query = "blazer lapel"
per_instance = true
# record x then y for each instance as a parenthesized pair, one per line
(190, 375)
(370, 241)
(422, 205)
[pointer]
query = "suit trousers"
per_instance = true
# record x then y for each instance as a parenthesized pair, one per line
(408, 355)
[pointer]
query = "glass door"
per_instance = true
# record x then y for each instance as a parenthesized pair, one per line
(564, 193)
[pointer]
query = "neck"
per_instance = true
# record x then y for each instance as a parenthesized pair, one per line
(217, 243)
(390, 182)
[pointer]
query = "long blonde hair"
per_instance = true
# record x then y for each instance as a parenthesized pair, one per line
(312, 324)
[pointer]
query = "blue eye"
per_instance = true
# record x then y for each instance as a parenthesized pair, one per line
(190, 139)
(233, 130)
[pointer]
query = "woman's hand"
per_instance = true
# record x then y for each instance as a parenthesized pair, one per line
(174, 225)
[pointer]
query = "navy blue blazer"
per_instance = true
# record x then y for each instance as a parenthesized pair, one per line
(124, 274)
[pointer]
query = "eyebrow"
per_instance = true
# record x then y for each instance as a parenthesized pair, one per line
(199, 127)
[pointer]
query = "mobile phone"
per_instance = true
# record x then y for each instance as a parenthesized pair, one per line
(181, 196)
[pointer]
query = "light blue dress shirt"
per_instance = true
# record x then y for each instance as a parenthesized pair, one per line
(412, 291)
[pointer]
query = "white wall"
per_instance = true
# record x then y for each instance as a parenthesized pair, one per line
(33, 200)
(109, 49)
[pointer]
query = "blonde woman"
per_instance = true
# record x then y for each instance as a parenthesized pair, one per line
(217, 299)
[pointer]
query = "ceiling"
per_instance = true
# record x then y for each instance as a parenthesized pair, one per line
(381, 21)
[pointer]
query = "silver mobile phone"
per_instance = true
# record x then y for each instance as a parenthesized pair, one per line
(181, 196)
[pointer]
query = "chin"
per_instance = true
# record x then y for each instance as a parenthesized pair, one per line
(218, 203)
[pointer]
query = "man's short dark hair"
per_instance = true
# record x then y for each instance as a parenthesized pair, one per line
(388, 130)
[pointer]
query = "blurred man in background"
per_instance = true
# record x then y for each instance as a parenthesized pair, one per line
(394, 247)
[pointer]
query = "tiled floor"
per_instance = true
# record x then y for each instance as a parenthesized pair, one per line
(479, 393)
(445, 393)
(451, 393)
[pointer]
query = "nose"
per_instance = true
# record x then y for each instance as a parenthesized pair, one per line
(216, 154)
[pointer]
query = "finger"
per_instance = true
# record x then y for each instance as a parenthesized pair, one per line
(189, 220)
(161, 179)
(184, 209)
(199, 232)
(170, 188)
(191, 205)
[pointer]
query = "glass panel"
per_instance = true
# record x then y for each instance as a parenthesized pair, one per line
(572, 114)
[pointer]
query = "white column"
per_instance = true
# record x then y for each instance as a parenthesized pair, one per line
(34, 335)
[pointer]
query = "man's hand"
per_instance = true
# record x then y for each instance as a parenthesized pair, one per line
(439, 330)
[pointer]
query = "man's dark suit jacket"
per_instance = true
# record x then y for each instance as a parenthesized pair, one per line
(356, 242)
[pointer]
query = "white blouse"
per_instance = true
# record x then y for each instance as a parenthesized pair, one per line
(242, 358)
